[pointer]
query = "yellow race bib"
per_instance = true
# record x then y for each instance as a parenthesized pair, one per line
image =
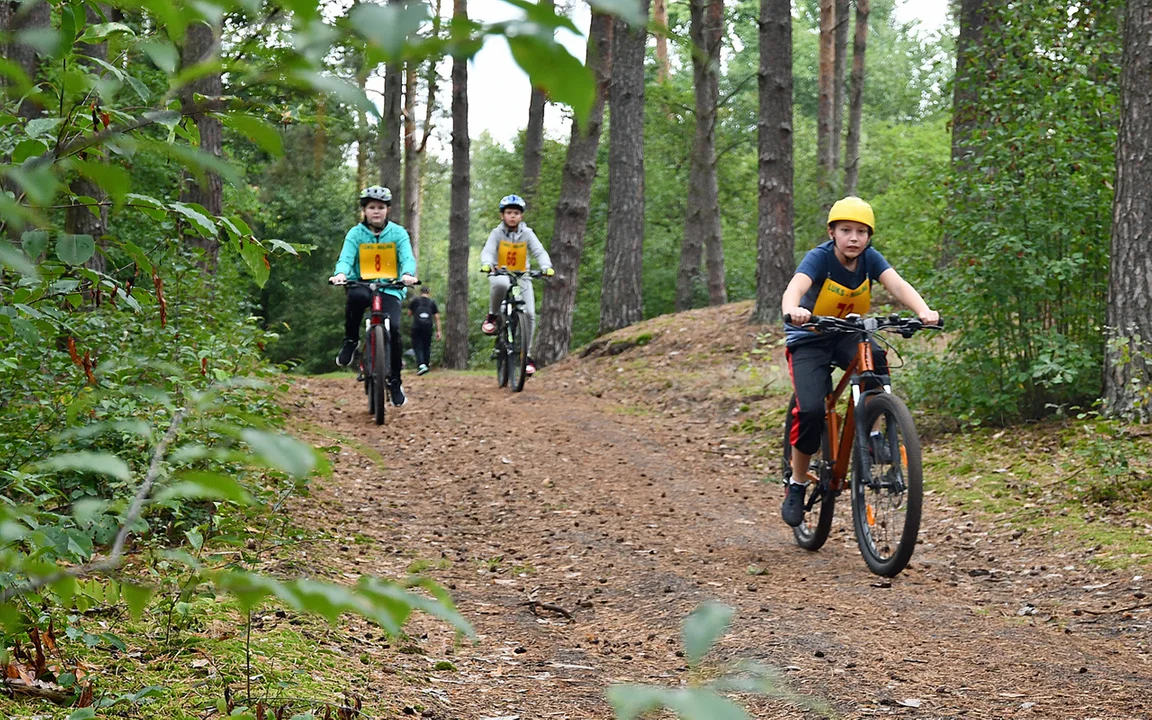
(840, 301)
(512, 256)
(378, 260)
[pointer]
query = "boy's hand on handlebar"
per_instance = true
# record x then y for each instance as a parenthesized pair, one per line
(798, 315)
(549, 272)
(338, 279)
(485, 268)
(408, 280)
(930, 317)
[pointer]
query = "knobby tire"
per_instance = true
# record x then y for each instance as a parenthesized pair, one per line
(518, 352)
(884, 493)
(812, 533)
(379, 342)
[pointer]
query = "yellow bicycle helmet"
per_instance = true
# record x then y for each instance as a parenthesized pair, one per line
(853, 208)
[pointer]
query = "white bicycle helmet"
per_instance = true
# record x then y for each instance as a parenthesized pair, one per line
(512, 201)
(375, 192)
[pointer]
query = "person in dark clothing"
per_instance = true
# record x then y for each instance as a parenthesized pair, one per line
(424, 313)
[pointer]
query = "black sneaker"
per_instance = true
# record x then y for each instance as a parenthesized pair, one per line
(397, 393)
(793, 508)
(347, 350)
(878, 448)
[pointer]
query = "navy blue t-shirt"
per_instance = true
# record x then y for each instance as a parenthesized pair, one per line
(836, 290)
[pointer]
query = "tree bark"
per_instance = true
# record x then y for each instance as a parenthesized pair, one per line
(1126, 379)
(411, 194)
(775, 242)
(17, 17)
(825, 82)
(839, 69)
(556, 312)
(362, 135)
(966, 112)
(702, 218)
(660, 16)
(456, 308)
(390, 131)
(202, 41)
(81, 220)
(534, 139)
(621, 296)
(856, 99)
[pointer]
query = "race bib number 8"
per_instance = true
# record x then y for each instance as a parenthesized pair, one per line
(378, 260)
(512, 256)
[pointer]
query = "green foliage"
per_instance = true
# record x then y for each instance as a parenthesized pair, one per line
(1031, 223)
(705, 701)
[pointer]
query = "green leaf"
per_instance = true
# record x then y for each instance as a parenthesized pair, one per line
(632, 701)
(389, 26)
(34, 242)
(42, 128)
(341, 90)
(200, 484)
(162, 53)
(13, 258)
(543, 15)
(94, 34)
(82, 714)
(136, 597)
(75, 249)
(138, 256)
(98, 463)
(256, 260)
(259, 130)
(550, 66)
(26, 149)
(281, 245)
(87, 510)
(37, 180)
(198, 216)
(150, 206)
(282, 452)
(703, 627)
(114, 179)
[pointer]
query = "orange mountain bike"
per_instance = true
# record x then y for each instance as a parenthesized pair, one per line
(876, 434)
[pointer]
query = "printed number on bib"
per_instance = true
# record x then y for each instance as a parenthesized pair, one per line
(840, 301)
(378, 260)
(512, 256)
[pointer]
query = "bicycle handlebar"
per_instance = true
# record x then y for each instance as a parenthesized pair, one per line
(389, 285)
(906, 326)
(534, 274)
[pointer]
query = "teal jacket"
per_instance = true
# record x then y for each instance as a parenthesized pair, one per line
(349, 262)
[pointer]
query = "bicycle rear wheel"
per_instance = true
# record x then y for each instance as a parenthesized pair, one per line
(887, 485)
(379, 342)
(819, 500)
(517, 352)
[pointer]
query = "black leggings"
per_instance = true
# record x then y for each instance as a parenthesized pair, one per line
(359, 300)
(810, 365)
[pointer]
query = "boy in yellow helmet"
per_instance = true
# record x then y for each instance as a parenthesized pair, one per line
(835, 278)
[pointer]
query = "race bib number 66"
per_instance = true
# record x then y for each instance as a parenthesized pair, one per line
(512, 256)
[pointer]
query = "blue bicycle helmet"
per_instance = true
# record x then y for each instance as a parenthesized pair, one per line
(512, 201)
(375, 192)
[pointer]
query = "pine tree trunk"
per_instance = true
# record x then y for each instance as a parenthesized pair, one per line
(775, 242)
(363, 135)
(702, 217)
(15, 18)
(825, 83)
(621, 296)
(660, 16)
(839, 69)
(456, 308)
(390, 130)
(1127, 379)
(856, 99)
(556, 312)
(966, 111)
(81, 220)
(202, 41)
(534, 139)
(411, 194)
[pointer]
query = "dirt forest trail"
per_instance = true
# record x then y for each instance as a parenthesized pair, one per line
(628, 520)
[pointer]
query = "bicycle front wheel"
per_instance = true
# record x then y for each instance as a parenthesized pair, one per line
(517, 352)
(812, 532)
(379, 371)
(887, 485)
(501, 354)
